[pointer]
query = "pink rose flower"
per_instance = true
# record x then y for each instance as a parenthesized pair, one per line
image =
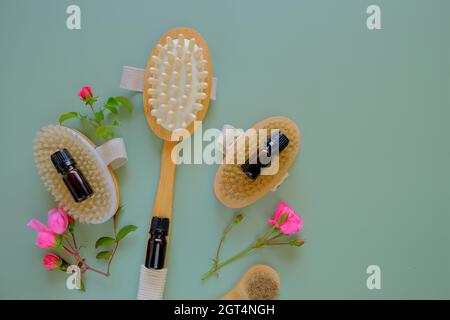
(58, 220)
(47, 240)
(292, 224)
(51, 261)
(50, 236)
(84, 92)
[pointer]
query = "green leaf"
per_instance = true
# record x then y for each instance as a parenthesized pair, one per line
(111, 108)
(115, 123)
(113, 101)
(112, 105)
(99, 116)
(105, 255)
(124, 231)
(100, 131)
(67, 116)
(125, 102)
(105, 242)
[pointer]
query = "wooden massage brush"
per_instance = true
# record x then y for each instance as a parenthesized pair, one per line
(176, 93)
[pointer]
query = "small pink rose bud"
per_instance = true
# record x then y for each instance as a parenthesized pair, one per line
(58, 220)
(84, 92)
(52, 262)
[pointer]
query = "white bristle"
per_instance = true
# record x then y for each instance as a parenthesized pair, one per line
(165, 76)
(164, 88)
(188, 78)
(202, 85)
(172, 102)
(198, 54)
(156, 112)
(191, 116)
(174, 90)
(176, 76)
(152, 91)
(169, 43)
(153, 102)
(200, 95)
(152, 81)
(154, 71)
(156, 61)
(202, 75)
(180, 51)
(187, 90)
(188, 57)
(163, 97)
(197, 106)
(192, 43)
(201, 64)
(167, 66)
(178, 79)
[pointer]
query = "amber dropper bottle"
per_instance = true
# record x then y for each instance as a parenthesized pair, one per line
(157, 243)
(276, 144)
(73, 178)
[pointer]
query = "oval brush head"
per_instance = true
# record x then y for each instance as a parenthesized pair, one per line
(105, 201)
(177, 82)
(260, 282)
(233, 188)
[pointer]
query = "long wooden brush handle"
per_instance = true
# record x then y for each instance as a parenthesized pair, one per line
(152, 281)
(162, 207)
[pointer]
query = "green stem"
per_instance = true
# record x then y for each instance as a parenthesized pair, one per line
(215, 268)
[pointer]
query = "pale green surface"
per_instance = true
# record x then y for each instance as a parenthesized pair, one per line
(372, 180)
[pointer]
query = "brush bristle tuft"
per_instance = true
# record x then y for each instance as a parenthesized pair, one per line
(53, 138)
(177, 78)
(262, 286)
(235, 186)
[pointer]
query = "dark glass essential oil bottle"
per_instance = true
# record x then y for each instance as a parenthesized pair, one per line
(73, 178)
(157, 244)
(275, 145)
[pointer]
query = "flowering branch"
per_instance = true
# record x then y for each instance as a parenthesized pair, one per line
(285, 222)
(97, 120)
(60, 234)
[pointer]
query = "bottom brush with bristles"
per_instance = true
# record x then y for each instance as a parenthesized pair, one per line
(105, 200)
(260, 282)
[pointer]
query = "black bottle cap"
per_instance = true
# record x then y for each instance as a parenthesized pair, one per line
(160, 225)
(283, 142)
(62, 160)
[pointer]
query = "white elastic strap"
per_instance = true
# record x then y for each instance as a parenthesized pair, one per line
(133, 79)
(113, 153)
(151, 284)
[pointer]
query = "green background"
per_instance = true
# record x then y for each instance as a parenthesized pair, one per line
(372, 181)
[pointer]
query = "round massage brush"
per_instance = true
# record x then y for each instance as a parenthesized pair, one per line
(94, 162)
(232, 187)
(177, 86)
(260, 282)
